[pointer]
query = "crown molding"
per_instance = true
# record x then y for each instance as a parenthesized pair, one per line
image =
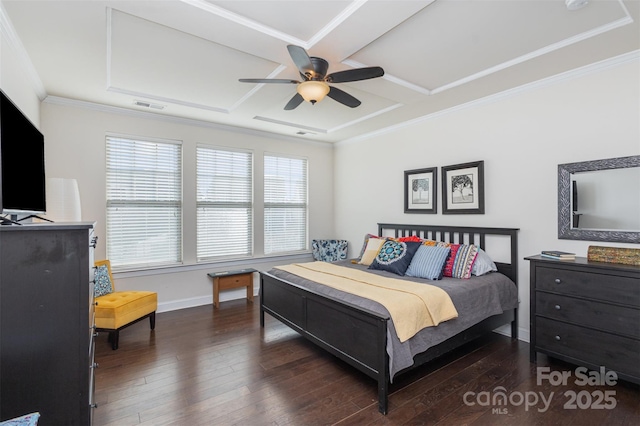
(9, 33)
(93, 106)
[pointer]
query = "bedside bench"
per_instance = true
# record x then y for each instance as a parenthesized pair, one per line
(232, 279)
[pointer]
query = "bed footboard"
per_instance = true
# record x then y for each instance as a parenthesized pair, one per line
(355, 335)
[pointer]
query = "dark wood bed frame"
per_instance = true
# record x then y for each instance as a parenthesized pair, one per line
(359, 336)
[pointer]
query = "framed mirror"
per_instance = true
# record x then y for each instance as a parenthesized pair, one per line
(600, 200)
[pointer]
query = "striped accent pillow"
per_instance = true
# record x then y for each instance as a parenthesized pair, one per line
(428, 262)
(463, 263)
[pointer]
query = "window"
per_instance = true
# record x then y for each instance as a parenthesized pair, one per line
(224, 203)
(285, 204)
(144, 202)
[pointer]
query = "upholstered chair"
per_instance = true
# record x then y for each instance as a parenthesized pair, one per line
(115, 310)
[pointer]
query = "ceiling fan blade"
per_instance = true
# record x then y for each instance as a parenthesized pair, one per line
(355, 75)
(343, 97)
(294, 102)
(268, 80)
(301, 59)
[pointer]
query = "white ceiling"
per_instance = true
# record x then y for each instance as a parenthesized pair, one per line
(188, 55)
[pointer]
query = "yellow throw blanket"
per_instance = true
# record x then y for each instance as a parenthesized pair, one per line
(412, 306)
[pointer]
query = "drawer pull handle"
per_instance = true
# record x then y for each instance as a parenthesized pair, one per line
(557, 307)
(557, 281)
(557, 337)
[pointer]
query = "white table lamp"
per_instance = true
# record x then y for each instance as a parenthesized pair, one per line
(63, 200)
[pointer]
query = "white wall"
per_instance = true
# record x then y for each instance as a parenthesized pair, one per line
(521, 138)
(75, 148)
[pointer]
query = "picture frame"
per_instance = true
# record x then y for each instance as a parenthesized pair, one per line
(421, 190)
(463, 188)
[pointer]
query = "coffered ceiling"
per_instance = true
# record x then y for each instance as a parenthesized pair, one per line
(183, 58)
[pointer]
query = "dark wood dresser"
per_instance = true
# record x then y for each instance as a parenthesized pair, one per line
(586, 313)
(47, 322)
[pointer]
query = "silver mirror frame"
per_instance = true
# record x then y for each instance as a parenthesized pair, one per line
(565, 232)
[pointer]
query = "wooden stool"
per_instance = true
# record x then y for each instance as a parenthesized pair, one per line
(232, 279)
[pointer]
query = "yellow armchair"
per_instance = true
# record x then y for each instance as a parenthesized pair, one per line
(116, 310)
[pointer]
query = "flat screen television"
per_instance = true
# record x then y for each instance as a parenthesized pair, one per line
(22, 173)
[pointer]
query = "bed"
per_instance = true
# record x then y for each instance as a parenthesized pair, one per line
(360, 331)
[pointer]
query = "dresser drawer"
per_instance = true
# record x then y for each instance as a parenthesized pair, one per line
(616, 319)
(620, 354)
(612, 288)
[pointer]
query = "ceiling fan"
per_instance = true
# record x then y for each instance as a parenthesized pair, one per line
(315, 84)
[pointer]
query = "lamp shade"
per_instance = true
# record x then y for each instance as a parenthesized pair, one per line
(63, 200)
(313, 91)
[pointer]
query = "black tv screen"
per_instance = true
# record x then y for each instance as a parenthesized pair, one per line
(22, 173)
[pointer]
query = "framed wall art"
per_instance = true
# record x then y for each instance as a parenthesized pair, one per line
(463, 188)
(420, 190)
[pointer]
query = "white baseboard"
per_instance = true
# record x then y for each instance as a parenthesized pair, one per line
(505, 330)
(192, 302)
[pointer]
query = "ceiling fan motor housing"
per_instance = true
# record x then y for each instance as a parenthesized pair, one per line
(320, 66)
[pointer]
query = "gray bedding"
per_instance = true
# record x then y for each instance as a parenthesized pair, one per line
(475, 300)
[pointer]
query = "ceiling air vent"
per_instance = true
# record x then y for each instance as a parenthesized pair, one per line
(148, 105)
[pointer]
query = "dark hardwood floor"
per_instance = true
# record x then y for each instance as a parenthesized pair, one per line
(218, 367)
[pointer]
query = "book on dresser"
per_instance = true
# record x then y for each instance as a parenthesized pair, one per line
(556, 254)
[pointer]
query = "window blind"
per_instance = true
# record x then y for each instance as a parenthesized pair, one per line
(285, 204)
(224, 203)
(144, 202)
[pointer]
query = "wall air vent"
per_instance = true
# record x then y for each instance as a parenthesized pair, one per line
(148, 105)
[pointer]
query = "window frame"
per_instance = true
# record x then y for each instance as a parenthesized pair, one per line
(175, 256)
(250, 203)
(304, 239)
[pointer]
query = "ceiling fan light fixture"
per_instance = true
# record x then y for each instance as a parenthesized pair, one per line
(576, 4)
(313, 91)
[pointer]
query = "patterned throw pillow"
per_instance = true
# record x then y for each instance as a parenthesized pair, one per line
(329, 250)
(428, 262)
(395, 256)
(448, 266)
(460, 263)
(413, 239)
(364, 245)
(26, 420)
(102, 281)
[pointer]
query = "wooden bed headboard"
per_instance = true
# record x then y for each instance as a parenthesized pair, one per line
(460, 235)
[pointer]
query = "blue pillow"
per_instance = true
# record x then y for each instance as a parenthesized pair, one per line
(483, 264)
(428, 262)
(395, 256)
(102, 284)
